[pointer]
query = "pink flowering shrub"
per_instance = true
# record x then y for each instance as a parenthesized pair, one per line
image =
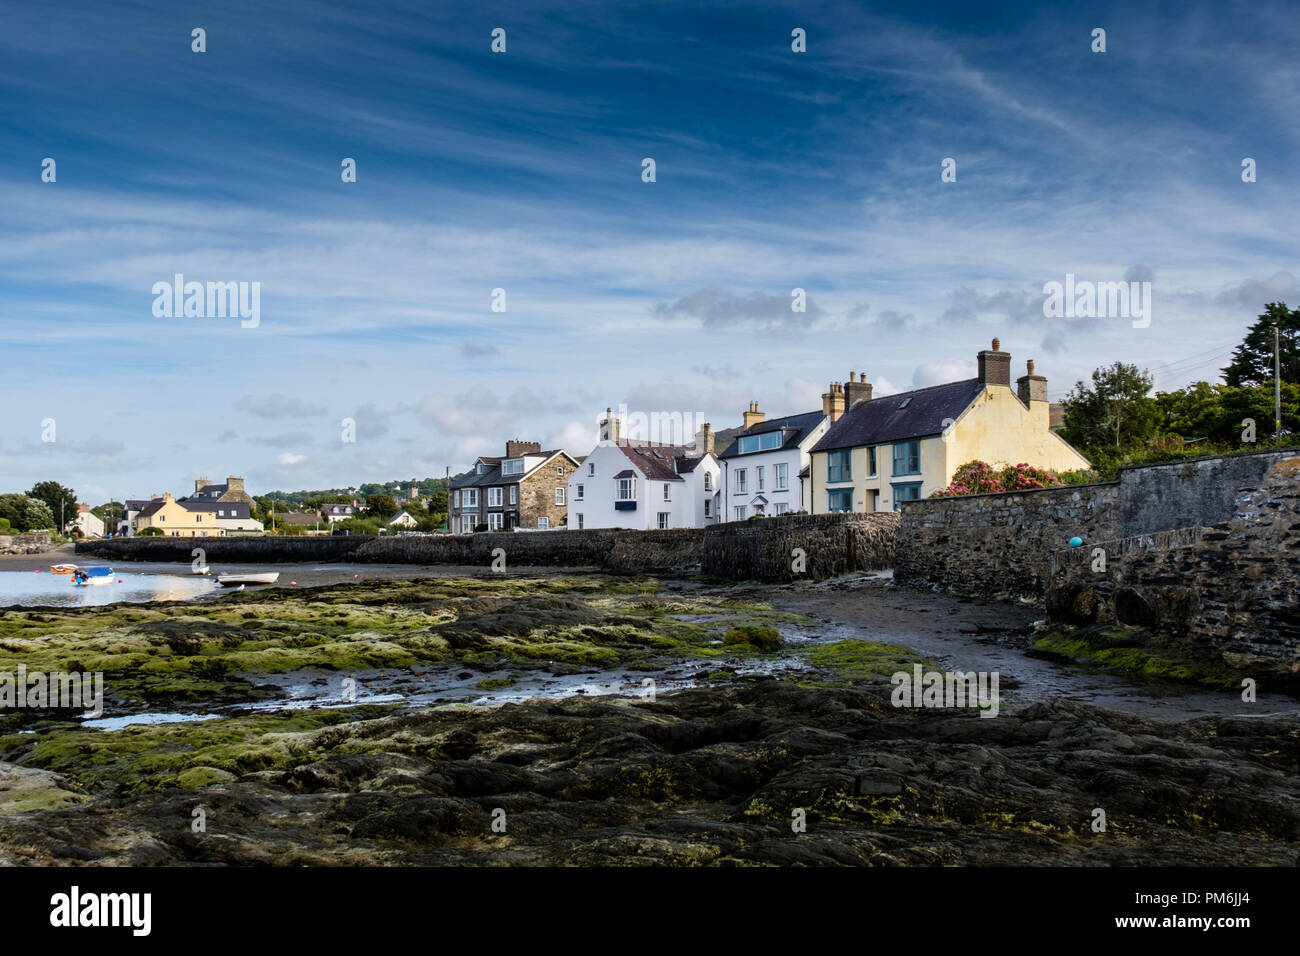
(981, 478)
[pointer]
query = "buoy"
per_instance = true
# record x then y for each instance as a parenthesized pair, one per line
(1076, 541)
(293, 583)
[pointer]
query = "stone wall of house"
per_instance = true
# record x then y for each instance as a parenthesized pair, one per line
(28, 542)
(796, 547)
(537, 495)
(999, 547)
(1232, 586)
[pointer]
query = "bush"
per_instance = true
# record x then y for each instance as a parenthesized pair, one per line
(481, 526)
(150, 532)
(4, 524)
(981, 478)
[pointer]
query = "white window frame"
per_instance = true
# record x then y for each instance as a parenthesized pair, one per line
(514, 494)
(742, 481)
(631, 490)
(495, 521)
(708, 506)
(495, 497)
(578, 491)
(668, 496)
(591, 469)
(579, 520)
(739, 512)
(559, 495)
(543, 522)
(708, 481)
(781, 476)
(760, 478)
(471, 498)
(662, 522)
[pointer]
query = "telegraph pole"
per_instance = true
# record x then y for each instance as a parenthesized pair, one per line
(1277, 380)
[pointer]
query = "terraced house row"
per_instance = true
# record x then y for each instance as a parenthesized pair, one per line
(856, 453)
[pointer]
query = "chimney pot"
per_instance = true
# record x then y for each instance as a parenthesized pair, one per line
(1029, 366)
(997, 345)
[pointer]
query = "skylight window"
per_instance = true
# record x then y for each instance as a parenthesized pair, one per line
(905, 402)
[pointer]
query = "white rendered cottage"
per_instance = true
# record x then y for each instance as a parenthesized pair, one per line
(761, 468)
(645, 485)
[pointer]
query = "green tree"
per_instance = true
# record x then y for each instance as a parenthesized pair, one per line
(26, 513)
(61, 501)
(1115, 412)
(149, 532)
(381, 506)
(109, 512)
(1252, 362)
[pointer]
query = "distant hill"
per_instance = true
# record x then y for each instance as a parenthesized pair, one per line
(424, 486)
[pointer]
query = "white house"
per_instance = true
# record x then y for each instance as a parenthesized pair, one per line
(645, 485)
(761, 468)
(87, 522)
(401, 520)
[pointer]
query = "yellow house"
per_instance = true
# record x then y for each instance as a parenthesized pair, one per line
(174, 520)
(880, 452)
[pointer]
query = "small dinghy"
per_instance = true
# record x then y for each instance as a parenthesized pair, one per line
(62, 568)
(231, 580)
(89, 577)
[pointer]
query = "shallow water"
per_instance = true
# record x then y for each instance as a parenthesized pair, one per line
(43, 589)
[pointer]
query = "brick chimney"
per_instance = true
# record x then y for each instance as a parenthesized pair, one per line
(234, 485)
(833, 402)
(515, 449)
(704, 440)
(995, 366)
(857, 390)
(609, 427)
(200, 482)
(753, 416)
(1032, 390)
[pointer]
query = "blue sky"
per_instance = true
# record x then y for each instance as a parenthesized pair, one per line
(522, 171)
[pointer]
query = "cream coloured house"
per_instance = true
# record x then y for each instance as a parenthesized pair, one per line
(175, 520)
(880, 452)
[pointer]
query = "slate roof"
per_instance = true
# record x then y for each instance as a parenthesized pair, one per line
(915, 414)
(794, 427)
(237, 509)
(135, 504)
(291, 518)
(151, 508)
(493, 475)
(656, 461)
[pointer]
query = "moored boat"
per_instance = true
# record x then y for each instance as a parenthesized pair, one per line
(89, 577)
(230, 580)
(62, 568)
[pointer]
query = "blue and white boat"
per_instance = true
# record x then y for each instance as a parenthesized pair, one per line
(89, 577)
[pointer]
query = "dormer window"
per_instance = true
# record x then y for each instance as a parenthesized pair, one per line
(512, 466)
(626, 489)
(764, 442)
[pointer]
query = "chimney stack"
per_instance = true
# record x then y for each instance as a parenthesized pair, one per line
(833, 402)
(1032, 390)
(609, 427)
(753, 416)
(857, 390)
(200, 482)
(704, 440)
(515, 449)
(995, 366)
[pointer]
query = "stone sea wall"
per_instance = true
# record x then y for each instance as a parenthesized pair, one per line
(1233, 586)
(999, 547)
(752, 550)
(798, 547)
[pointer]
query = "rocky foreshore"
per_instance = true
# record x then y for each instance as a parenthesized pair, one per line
(712, 776)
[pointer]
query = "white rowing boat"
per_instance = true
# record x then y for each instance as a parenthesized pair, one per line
(230, 580)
